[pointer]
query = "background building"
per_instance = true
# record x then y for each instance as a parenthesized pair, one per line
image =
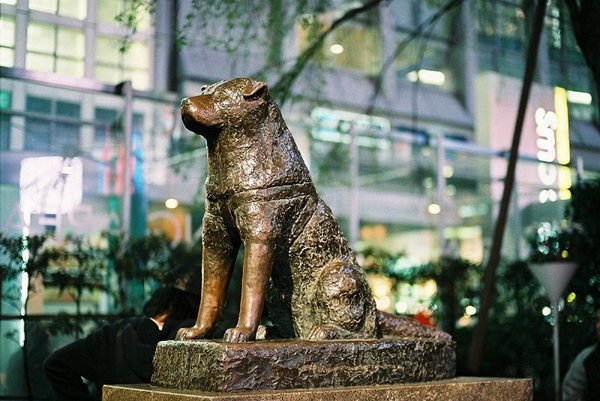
(449, 97)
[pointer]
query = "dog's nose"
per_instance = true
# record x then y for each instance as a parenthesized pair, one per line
(187, 106)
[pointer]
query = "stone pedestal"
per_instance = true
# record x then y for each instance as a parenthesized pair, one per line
(457, 389)
(291, 364)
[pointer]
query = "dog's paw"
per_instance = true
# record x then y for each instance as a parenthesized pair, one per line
(239, 335)
(324, 332)
(190, 333)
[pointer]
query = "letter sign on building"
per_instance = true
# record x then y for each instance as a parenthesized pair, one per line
(554, 154)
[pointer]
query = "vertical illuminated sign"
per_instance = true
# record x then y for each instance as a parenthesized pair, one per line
(563, 145)
(554, 153)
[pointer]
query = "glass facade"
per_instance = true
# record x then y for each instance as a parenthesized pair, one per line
(44, 133)
(62, 38)
(7, 41)
(68, 8)
(112, 65)
(57, 49)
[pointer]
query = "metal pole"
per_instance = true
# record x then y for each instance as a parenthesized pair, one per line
(441, 192)
(517, 224)
(580, 170)
(354, 188)
(555, 341)
(127, 92)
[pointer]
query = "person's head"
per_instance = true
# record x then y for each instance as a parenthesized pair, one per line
(175, 303)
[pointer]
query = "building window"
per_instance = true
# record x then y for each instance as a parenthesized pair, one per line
(108, 126)
(425, 56)
(5, 106)
(501, 34)
(568, 68)
(52, 126)
(425, 60)
(7, 41)
(113, 66)
(356, 46)
(52, 48)
(67, 8)
(108, 10)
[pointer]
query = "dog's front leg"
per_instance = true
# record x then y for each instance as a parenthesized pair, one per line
(218, 257)
(258, 263)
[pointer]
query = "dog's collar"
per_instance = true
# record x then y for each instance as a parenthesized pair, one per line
(267, 194)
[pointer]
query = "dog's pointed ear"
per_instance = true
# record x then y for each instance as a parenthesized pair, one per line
(255, 91)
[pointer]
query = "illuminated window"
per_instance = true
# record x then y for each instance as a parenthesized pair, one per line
(108, 10)
(424, 61)
(7, 41)
(5, 104)
(355, 46)
(113, 66)
(44, 134)
(68, 8)
(361, 46)
(52, 48)
(47, 6)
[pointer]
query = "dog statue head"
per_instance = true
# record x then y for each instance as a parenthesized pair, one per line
(238, 103)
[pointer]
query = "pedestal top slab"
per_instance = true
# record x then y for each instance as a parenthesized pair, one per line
(456, 389)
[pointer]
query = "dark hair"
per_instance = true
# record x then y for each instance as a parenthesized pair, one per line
(177, 304)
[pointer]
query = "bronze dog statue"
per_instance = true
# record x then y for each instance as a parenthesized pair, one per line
(260, 195)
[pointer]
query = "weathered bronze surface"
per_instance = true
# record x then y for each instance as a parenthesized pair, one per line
(260, 195)
(458, 389)
(286, 364)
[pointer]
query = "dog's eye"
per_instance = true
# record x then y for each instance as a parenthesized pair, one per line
(254, 96)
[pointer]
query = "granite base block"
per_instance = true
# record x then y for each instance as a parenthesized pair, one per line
(456, 389)
(288, 364)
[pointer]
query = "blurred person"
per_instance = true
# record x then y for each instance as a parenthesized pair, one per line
(120, 352)
(582, 381)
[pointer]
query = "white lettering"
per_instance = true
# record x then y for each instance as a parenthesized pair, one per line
(546, 124)
(546, 119)
(548, 173)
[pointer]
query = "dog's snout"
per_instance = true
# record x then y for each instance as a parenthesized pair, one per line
(188, 106)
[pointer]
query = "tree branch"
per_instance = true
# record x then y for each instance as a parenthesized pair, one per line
(489, 278)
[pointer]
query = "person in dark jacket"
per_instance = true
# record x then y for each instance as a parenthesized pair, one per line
(120, 352)
(582, 381)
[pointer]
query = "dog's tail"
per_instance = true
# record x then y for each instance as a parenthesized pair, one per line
(403, 326)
